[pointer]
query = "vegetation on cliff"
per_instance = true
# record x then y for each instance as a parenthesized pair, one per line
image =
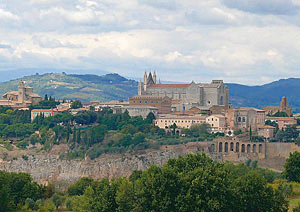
(89, 133)
(191, 183)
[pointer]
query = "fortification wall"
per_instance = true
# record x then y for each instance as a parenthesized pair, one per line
(280, 149)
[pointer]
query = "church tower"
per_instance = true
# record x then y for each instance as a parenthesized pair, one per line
(21, 91)
(145, 81)
(154, 77)
(140, 88)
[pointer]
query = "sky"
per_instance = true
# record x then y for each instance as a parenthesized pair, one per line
(250, 42)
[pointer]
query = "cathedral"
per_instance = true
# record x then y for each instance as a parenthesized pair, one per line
(186, 96)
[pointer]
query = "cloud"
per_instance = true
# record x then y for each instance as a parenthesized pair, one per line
(166, 4)
(7, 16)
(183, 40)
(275, 7)
(211, 16)
(4, 46)
(47, 42)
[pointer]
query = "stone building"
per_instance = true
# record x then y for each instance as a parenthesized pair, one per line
(186, 96)
(284, 107)
(163, 104)
(245, 117)
(23, 97)
(217, 123)
(283, 122)
(268, 132)
(137, 110)
(167, 120)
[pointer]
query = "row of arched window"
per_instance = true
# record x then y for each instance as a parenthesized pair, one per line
(248, 148)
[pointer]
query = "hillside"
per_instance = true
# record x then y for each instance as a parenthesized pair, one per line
(268, 94)
(82, 87)
(89, 87)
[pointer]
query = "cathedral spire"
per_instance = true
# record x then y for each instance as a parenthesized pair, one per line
(154, 77)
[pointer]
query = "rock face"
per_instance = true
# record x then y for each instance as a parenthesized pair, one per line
(46, 168)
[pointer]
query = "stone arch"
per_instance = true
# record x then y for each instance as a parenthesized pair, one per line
(220, 147)
(226, 147)
(260, 148)
(231, 147)
(237, 147)
(248, 148)
(243, 147)
(254, 148)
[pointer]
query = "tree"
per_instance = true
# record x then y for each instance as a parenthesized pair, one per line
(292, 167)
(78, 188)
(151, 117)
(76, 104)
(57, 200)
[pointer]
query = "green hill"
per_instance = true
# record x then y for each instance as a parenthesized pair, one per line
(89, 87)
(83, 87)
(266, 95)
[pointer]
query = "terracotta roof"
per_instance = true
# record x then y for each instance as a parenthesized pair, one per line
(169, 85)
(44, 110)
(281, 118)
(11, 93)
(267, 127)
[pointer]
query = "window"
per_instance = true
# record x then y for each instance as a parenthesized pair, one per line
(244, 119)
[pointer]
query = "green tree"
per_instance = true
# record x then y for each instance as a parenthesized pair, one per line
(78, 188)
(58, 200)
(76, 104)
(292, 167)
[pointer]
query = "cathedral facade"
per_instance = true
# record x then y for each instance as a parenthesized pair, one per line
(186, 96)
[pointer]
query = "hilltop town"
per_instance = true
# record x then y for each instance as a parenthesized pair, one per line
(63, 140)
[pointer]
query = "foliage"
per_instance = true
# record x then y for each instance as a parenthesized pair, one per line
(292, 167)
(297, 209)
(76, 104)
(79, 187)
(191, 183)
(17, 189)
(238, 132)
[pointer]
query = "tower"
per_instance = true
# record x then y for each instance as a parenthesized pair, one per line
(154, 77)
(140, 88)
(145, 81)
(21, 91)
(284, 104)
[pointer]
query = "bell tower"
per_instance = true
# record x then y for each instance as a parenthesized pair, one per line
(21, 91)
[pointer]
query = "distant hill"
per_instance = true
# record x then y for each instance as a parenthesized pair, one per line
(266, 95)
(83, 87)
(90, 87)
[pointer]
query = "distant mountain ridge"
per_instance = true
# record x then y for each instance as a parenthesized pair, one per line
(266, 95)
(90, 87)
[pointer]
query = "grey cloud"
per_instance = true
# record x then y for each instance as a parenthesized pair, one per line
(210, 16)
(166, 4)
(275, 7)
(46, 42)
(5, 46)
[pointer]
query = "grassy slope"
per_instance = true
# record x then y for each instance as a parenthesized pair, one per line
(64, 86)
